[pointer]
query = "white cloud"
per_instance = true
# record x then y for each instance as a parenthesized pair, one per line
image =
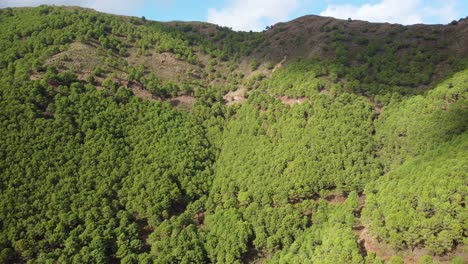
(444, 13)
(115, 6)
(110, 6)
(395, 11)
(252, 14)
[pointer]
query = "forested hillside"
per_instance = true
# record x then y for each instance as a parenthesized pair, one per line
(318, 140)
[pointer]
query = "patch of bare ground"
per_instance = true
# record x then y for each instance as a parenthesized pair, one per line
(164, 65)
(199, 219)
(203, 57)
(235, 97)
(292, 101)
(35, 77)
(79, 57)
(98, 82)
(325, 91)
(139, 92)
(334, 198)
(245, 68)
(182, 101)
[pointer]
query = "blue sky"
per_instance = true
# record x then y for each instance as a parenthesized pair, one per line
(256, 14)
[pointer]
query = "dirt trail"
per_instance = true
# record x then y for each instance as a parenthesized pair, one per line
(279, 64)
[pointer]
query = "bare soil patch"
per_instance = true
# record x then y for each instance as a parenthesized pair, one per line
(183, 101)
(335, 199)
(291, 101)
(325, 92)
(164, 65)
(199, 219)
(79, 57)
(139, 92)
(235, 97)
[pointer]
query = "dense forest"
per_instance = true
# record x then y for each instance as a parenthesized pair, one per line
(124, 140)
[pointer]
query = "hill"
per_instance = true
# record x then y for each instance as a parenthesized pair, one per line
(315, 141)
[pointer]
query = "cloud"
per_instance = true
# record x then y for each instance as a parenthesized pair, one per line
(252, 14)
(116, 6)
(395, 11)
(444, 13)
(110, 6)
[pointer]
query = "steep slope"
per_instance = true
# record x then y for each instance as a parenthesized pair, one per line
(318, 31)
(124, 140)
(381, 57)
(421, 204)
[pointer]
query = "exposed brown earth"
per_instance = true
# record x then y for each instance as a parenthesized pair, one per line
(183, 101)
(335, 198)
(164, 65)
(292, 101)
(79, 57)
(280, 64)
(199, 219)
(139, 92)
(235, 97)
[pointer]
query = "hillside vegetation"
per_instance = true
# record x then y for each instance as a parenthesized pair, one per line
(319, 140)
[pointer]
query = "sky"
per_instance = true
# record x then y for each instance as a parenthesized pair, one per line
(255, 15)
